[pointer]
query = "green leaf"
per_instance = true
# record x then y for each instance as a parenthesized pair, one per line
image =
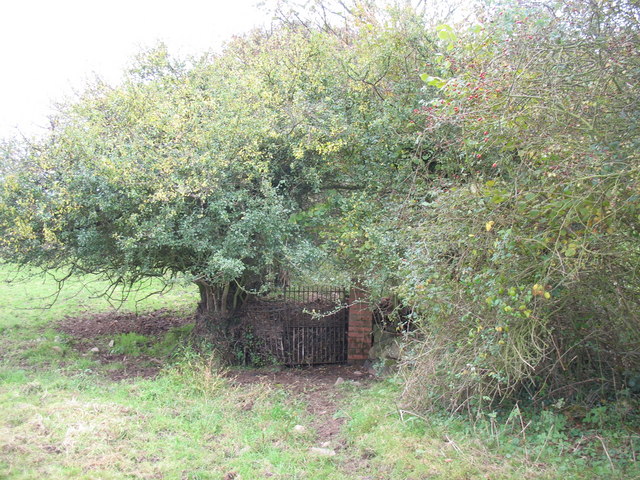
(446, 33)
(571, 250)
(433, 81)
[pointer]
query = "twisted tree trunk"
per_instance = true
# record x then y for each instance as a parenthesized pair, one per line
(218, 303)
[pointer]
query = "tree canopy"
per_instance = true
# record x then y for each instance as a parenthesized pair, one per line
(214, 170)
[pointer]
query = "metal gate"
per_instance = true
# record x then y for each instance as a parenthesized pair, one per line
(303, 326)
(317, 332)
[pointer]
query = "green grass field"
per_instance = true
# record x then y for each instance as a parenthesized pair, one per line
(65, 413)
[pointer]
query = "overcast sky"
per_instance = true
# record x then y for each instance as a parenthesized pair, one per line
(48, 47)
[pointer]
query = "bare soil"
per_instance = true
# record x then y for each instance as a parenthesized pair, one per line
(316, 386)
(96, 330)
(92, 325)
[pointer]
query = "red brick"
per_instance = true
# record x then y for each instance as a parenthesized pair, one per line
(360, 327)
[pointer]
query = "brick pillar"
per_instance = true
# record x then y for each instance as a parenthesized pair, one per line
(360, 326)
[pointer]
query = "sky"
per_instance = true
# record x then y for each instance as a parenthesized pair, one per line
(49, 48)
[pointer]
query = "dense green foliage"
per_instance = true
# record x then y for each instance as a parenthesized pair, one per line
(485, 173)
(526, 264)
(165, 174)
(208, 171)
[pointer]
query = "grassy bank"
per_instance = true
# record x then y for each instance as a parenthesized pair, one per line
(70, 412)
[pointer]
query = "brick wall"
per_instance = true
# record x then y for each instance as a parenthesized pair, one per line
(360, 327)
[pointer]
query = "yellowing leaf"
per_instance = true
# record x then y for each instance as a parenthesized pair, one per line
(489, 225)
(537, 290)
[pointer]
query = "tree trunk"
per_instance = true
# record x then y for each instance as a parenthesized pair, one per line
(218, 303)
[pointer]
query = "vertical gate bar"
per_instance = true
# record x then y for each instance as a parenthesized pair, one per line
(336, 345)
(285, 349)
(328, 346)
(289, 339)
(332, 347)
(309, 343)
(340, 332)
(345, 335)
(325, 343)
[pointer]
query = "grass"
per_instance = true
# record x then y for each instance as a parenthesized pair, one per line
(62, 416)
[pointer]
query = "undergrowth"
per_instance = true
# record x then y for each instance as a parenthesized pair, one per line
(534, 444)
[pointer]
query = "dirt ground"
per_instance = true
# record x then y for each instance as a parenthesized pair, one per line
(90, 326)
(93, 331)
(317, 386)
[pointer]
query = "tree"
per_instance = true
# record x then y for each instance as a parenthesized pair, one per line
(163, 175)
(214, 170)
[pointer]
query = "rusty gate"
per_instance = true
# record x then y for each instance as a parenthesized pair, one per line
(303, 326)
